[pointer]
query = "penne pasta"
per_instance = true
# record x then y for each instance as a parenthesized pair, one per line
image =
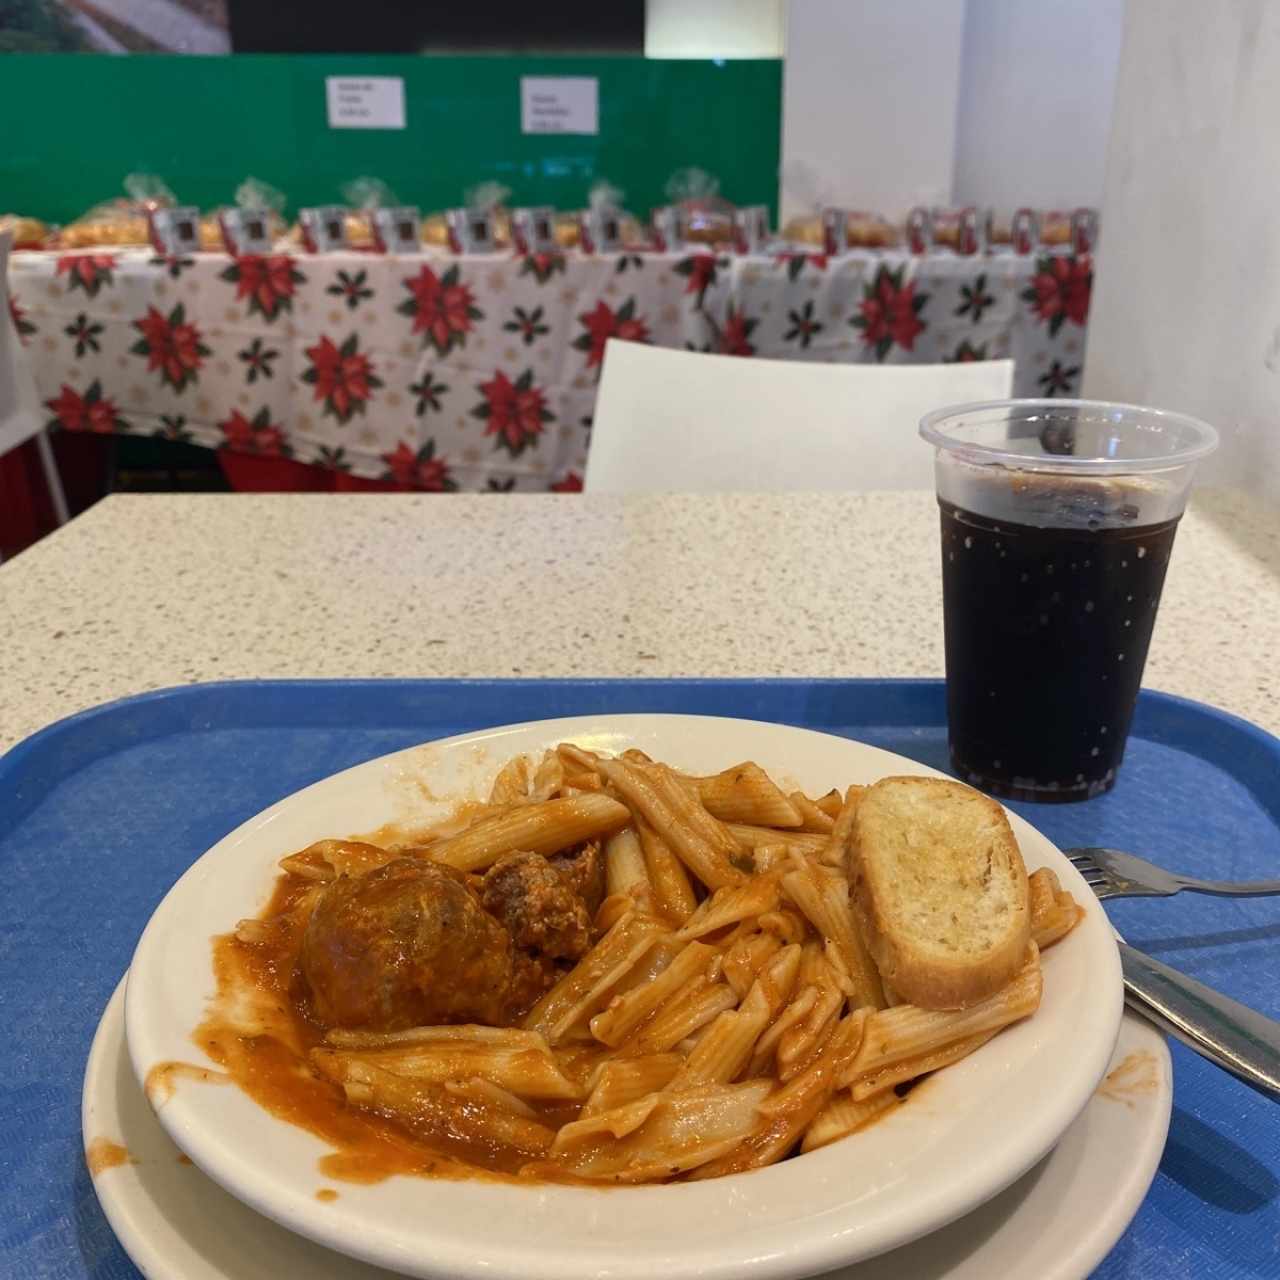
(625, 871)
(843, 1116)
(725, 1048)
(788, 1112)
(548, 779)
(430, 1112)
(1054, 912)
(831, 803)
(823, 896)
(812, 818)
(626, 1012)
(887, 1078)
(681, 1017)
(746, 957)
(328, 859)
(513, 1038)
(617, 1122)
(895, 1035)
(769, 857)
(800, 1041)
(534, 828)
(651, 798)
(801, 1004)
(591, 980)
(682, 1131)
(626, 1079)
(837, 852)
(751, 837)
(254, 932)
(673, 894)
(746, 793)
(525, 1072)
(488, 1093)
(682, 795)
(732, 904)
(785, 925)
(511, 786)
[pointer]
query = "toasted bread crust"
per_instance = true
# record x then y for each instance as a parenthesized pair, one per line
(984, 876)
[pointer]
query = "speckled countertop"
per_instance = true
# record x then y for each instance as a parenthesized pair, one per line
(148, 591)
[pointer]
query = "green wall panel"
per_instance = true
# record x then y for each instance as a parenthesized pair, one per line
(75, 124)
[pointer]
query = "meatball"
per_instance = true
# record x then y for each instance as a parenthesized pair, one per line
(538, 906)
(406, 945)
(583, 869)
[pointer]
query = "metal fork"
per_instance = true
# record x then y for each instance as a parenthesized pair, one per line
(1225, 1032)
(1112, 874)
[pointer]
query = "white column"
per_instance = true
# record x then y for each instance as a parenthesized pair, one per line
(714, 28)
(1186, 307)
(870, 89)
(1036, 91)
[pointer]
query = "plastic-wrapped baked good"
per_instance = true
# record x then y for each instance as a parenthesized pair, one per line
(864, 230)
(706, 215)
(28, 233)
(121, 222)
(487, 197)
(253, 194)
(435, 231)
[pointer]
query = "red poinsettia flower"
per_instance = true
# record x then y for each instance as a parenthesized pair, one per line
(542, 266)
(266, 281)
(889, 313)
(90, 412)
(442, 308)
(20, 322)
(571, 482)
(735, 335)
(1060, 289)
(421, 470)
(171, 344)
(89, 271)
(513, 411)
(700, 268)
(604, 323)
(259, 435)
(795, 262)
(343, 378)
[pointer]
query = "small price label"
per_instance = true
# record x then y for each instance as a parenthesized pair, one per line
(559, 104)
(175, 231)
(365, 102)
(397, 230)
(324, 230)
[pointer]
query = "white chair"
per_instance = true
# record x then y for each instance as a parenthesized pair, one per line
(682, 421)
(20, 416)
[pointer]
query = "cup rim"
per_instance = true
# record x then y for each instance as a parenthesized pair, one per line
(932, 430)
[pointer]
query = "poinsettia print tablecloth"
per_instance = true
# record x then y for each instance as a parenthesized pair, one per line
(479, 373)
(881, 307)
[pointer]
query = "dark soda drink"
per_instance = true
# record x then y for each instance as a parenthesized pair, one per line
(1046, 637)
(1058, 518)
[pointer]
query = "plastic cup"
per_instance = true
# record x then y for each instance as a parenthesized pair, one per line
(1058, 519)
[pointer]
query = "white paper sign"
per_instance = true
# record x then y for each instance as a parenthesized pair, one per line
(559, 104)
(365, 102)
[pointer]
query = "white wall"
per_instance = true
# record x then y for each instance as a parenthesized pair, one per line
(1036, 91)
(1186, 307)
(870, 90)
(714, 28)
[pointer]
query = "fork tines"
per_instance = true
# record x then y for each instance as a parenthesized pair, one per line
(1087, 867)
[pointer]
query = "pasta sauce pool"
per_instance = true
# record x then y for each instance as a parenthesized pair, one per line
(1046, 636)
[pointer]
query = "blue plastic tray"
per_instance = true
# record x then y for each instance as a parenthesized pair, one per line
(100, 813)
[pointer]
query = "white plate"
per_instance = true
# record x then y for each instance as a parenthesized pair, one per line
(1055, 1223)
(977, 1128)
